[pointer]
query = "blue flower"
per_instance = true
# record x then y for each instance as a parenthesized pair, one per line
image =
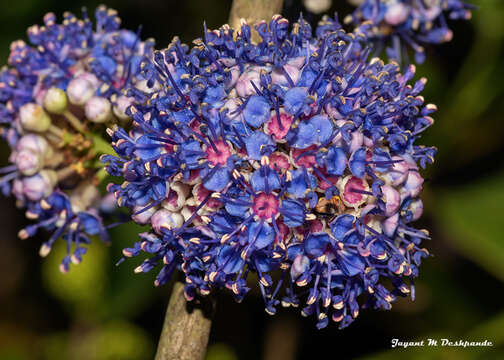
(341, 226)
(357, 162)
(335, 160)
(300, 183)
(303, 136)
(323, 128)
(257, 111)
(259, 144)
(55, 96)
(293, 159)
(295, 99)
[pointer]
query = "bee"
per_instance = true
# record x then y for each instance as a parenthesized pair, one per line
(329, 209)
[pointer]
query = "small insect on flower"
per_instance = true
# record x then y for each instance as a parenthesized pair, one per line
(329, 208)
(57, 96)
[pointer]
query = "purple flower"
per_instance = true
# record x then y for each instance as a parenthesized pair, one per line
(56, 97)
(296, 156)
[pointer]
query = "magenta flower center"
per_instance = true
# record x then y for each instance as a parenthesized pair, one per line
(279, 131)
(353, 189)
(220, 154)
(265, 205)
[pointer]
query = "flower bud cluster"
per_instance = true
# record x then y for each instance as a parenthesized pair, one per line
(399, 24)
(56, 98)
(293, 159)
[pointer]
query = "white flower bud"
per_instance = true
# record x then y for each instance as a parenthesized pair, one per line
(38, 186)
(391, 198)
(34, 118)
(164, 219)
(98, 109)
(55, 101)
(244, 85)
(317, 6)
(29, 162)
(80, 90)
(389, 225)
(396, 13)
(121, 105)
(278, 76)
(416, 208)
(299, 265)
(143, 217)
(83, 197)
(17, 188)
(91, 78)
(33, 142)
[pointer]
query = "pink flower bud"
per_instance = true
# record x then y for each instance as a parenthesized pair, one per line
(164, 219)
(397, 173)
(413, 184)
(244, 86)
(397, 13)
(80, 90)
(416, 208)
(391, 198)
(38, 186)
(121, 105)
(143, 217)
(357, 141)
(389, 225)
(33, 142)
(278, 76)
(98, 109)
(299, 265)
(17, 188)
(353, 190)
(29, 162)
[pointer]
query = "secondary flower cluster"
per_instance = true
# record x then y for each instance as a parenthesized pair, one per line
(399, 24)
(55, 98)
(293, 159)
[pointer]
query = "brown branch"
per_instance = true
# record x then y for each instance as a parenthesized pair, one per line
(253, 11)
(186, 327)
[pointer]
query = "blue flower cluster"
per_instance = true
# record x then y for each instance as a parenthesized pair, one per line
(293, 158)
(399, 24)
(55, 97)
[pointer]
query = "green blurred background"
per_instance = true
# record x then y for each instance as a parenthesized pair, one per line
(99, 311)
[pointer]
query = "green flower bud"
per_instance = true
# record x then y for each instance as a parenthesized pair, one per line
(34, 118)
(55, 101)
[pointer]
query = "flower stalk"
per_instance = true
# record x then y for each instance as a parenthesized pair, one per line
(253, 11)
(186, 327)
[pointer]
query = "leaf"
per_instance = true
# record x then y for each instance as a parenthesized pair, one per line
(83, 287)
(469, 216)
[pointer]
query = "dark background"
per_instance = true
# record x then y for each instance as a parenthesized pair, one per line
(99, 311)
